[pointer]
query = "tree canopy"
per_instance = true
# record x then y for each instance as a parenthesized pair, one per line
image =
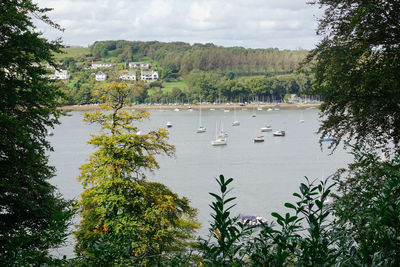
(356, 70)
(132, 220)
(33, 216)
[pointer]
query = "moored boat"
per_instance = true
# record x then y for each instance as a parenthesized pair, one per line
(279, 133)
(267, 128)
(220, 138)
(259, 139)
(201, 129)
(220, 141)
(253, 220)
(235, 122)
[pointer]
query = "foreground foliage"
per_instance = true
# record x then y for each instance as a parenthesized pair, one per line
(33, 217)
(224, 246)
(126, 219)
(367, 209)
(356, 69)
(356, 226)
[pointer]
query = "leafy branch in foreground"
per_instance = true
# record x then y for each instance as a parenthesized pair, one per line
(367, 211)
(305, 238)
(34, 218)
(355, 63)
(227, 234)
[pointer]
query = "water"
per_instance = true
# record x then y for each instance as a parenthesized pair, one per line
(265, 174)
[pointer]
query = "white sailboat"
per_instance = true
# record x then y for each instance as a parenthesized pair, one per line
(258, 138)
(301, 120)
(235, 121)
(219, 140)
(222, 133)
(201, 128)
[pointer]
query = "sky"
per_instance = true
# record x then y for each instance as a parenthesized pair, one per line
(283, 24)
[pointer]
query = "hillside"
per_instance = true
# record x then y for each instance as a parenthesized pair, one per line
(178, 58)
(187, 72)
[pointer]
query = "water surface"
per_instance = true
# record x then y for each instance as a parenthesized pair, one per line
(265, 174)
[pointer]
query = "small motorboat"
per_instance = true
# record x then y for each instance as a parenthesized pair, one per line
(50, 133)
(279, 133)
(176, 110)
(169, 124)
(267, 128)
(259, 139)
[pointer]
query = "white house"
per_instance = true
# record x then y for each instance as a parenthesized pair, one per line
(100, 65)
(60, 75)
(51, 67)
(149, 75)
(130, 76)
(139, 65)
(101, 76)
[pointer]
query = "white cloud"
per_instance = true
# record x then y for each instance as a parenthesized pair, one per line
(248, 23)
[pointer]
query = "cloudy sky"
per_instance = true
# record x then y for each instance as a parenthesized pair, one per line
(284, 24)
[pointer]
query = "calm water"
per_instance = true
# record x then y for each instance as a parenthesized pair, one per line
(265, 174)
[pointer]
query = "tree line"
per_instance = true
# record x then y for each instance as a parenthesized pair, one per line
(217, 87)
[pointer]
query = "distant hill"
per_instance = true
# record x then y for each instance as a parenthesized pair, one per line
(178, 58)
(189, 72)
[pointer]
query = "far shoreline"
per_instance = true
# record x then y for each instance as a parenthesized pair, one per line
(195, 106)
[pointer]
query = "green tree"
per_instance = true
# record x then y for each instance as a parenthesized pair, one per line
(367, 211)
(33, 216)
(126, 219)
(356, 70)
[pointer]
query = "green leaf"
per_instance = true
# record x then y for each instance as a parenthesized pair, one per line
(290, 206)
(276, 215)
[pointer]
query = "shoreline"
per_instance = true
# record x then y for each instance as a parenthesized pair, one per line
(186, 106)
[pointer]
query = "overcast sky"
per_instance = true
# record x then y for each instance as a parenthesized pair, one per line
(283, 24)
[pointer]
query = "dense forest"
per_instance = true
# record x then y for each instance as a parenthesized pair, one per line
(189, 72)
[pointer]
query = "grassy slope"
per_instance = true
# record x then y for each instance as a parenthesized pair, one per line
(167, 86)
(72, 52)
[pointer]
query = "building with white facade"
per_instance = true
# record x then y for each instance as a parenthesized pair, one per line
(139, 65)
(101, 76)
(60, 75)
(51, 67)
(149, 75)
(101, 65)
(130, 76)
